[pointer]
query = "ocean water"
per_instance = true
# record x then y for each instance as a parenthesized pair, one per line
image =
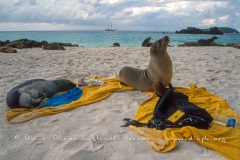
(104, 38)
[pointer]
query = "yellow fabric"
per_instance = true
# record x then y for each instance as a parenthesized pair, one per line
(224, 140)
(90, 95)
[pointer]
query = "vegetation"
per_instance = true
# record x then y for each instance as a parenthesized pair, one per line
(192, 30)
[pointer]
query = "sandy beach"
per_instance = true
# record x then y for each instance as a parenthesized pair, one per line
(93, 131)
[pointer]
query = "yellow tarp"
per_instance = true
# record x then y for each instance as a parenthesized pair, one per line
(90, 95)
(224, 140)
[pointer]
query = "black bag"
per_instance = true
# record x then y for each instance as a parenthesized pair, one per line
(174, 111)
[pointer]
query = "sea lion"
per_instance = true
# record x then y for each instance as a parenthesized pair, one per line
(30, 93)
(158, 74)
(146, 42)
(207, 42)
(6, 49)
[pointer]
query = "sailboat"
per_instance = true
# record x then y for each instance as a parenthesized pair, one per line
(110, 29)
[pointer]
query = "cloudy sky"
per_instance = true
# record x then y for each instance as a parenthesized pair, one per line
(149, 15)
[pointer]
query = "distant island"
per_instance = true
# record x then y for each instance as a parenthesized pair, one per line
(228, 30)
(212, 30)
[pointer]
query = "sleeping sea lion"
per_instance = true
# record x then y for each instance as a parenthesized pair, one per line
(158, 74)
(30, 93)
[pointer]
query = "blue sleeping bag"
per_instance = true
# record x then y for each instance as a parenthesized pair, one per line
(64, 98)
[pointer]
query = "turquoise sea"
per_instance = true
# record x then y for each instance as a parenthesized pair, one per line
(104, 38)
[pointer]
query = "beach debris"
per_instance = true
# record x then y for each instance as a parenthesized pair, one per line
(90, 82)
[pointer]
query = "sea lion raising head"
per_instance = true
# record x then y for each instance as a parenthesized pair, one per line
(158, 74)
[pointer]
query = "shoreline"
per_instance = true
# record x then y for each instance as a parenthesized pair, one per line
(216, 68)
(103, 38)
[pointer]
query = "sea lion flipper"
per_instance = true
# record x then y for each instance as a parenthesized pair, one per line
(171, 86)
(159, 89)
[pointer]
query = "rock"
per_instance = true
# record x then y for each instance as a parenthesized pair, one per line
(116, 44)
(3, 43)
(234, 45)
(52, 46)
(26, 43)
(34, 44)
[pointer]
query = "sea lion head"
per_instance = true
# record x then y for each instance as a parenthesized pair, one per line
(64, 84)
(214, 38)
(159, 46)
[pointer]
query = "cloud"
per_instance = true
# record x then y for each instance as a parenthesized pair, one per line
(213, 22)
(135, 11)
(223, 19)
(124, 14)
(208, 22)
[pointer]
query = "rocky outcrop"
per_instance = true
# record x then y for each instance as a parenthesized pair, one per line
(234, 45)
(193, 30)
(52, 46)
(8, 46)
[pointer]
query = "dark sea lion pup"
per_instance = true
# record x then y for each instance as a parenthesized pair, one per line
(158, 74)
(30, 93)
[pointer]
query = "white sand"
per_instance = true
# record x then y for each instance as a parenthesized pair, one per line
(216, 68)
